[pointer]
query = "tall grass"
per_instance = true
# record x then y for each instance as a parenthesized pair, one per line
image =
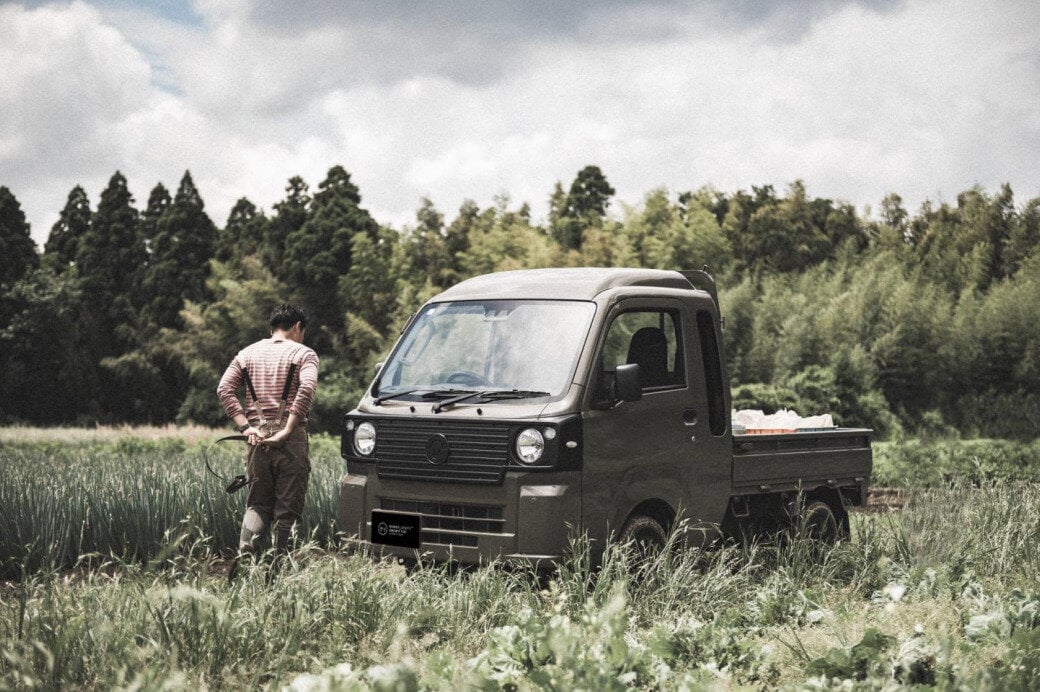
(129, 498)
(945, 592)
(963, 615)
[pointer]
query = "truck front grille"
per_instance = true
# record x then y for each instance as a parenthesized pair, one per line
(478, 453)
(448, 523)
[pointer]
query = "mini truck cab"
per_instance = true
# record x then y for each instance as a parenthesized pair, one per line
(520, 407)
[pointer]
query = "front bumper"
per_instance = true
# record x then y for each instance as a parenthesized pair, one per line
(526, 520)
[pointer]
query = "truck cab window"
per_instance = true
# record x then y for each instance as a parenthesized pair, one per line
(650, 339)
(712, 373)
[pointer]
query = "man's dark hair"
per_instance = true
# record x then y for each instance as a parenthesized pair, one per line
(286, 315)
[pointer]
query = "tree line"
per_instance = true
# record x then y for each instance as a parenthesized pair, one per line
(921, 322)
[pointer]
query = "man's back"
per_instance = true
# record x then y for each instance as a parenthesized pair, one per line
(268, 363)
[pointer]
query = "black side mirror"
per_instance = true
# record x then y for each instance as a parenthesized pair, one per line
(627, 386)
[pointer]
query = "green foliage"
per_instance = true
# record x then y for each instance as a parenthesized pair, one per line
(214, 331)
(662, 236)
(501, 240)
(290, 215)
(16, 245)
(243, 234)
(110, 257)
(584, 206)
(768, 398)
(73, 223)
(855, 663)
(109, 263)
(905, 322)
(321, 251)
(180, 251)
(42, 368)
(916, 462)
(159, 201)
(427, 247)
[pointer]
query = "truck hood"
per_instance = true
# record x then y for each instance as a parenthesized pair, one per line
(509, 409)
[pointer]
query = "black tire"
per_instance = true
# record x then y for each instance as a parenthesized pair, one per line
(646, 535)
(820, 523)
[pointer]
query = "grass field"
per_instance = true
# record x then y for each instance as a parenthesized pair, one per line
(112, 546)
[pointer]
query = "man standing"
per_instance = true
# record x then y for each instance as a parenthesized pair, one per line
(280, 376)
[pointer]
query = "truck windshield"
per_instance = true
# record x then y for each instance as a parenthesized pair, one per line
(524, 346)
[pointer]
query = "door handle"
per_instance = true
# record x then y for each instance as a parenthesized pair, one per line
(689, 416)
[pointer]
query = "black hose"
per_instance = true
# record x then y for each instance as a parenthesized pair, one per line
(238, 482)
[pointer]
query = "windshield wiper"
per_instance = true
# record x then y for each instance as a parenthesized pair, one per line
(425, 392)
(393, 395)
(514, 394)
(492, 394)
(454, 400)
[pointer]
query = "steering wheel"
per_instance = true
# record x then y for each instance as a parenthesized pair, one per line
(467, 378)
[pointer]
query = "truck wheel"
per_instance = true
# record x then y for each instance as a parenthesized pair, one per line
(645, 533)
(820, 523)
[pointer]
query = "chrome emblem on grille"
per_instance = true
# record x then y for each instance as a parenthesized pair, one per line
(437, 449)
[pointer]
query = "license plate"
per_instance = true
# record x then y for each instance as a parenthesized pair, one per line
(394, 528)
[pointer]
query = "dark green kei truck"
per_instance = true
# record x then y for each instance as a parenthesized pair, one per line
(521, 407)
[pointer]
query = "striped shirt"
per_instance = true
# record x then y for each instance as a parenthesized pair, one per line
(268, 363)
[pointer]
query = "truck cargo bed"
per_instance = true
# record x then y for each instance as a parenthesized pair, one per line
(765, 463)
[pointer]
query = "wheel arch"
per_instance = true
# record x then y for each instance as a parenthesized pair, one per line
(835, 500)
(657, 509)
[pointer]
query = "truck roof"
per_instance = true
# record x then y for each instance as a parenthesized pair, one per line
(577, 283)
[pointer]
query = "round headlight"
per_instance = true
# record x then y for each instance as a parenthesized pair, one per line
(529, 445)
(365, 439)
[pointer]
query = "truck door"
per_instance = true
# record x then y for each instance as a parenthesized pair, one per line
(709, 457)
(637, 451)
(672, 445)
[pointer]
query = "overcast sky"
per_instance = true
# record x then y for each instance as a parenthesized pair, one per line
(474, 98)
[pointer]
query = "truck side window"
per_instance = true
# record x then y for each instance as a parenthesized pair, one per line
(651, 339)
(712, 373)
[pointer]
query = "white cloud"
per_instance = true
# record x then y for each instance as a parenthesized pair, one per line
(924, 99)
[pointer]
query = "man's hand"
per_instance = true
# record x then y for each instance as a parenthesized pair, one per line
(254, 435)
(277, 438)
(282, 435)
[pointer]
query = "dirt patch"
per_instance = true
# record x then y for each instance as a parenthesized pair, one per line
(884, 499)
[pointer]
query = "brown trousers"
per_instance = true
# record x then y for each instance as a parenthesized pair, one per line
(278, 492)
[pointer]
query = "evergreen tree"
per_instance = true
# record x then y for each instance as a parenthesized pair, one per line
(180, 254)
(73, 223)
(589, 195)
(181, 245)
(320, 251)
(735, 225)
(16, 244)
(457, 235)
(586, 205)
(158, 202)
(244, 233)
(109, 258)
(290, 215)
